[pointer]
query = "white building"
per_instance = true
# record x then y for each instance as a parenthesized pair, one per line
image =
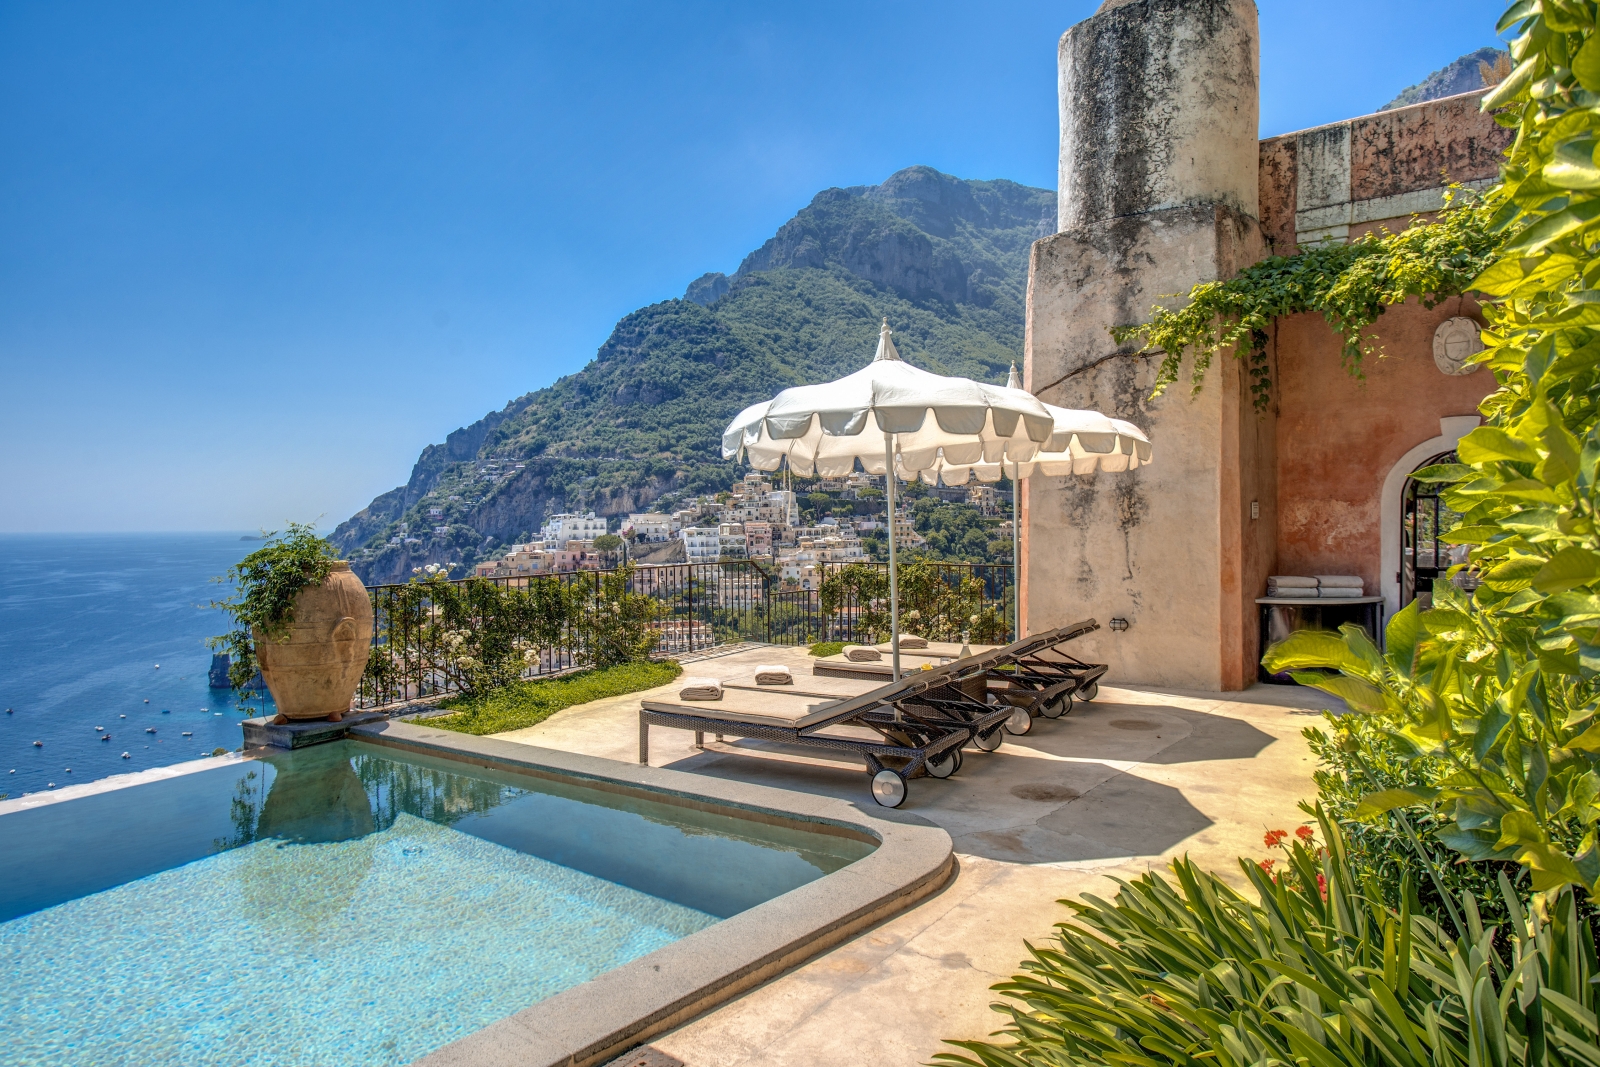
(730, 539)
(570, 527)
(703, 544)
(651, 526)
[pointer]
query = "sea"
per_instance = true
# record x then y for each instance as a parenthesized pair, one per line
(108, 631)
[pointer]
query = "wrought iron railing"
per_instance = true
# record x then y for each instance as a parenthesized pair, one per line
(698, 606)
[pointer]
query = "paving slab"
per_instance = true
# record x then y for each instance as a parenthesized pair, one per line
(1114, 789)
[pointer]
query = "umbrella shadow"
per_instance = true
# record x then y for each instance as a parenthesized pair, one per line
(1150, 733)
(1114, 816)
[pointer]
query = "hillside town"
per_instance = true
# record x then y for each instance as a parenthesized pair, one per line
(835, 521)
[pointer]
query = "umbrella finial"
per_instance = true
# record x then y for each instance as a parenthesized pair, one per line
(886, 349)
(1014, 381)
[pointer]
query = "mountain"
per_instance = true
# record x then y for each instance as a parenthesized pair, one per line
(944, 259)
(1462, 76)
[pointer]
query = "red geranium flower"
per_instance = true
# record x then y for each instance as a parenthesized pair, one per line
(1275, 838)
(1305, 833)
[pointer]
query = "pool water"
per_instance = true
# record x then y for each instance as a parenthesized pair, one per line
(347, 905)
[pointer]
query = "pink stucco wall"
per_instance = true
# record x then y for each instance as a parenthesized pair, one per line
(1338, 437)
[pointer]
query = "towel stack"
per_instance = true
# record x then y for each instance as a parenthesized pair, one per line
(700, 689)
(862, 654)
(1320, 586)
(773, 674)
(1339, 585)
(913, 641)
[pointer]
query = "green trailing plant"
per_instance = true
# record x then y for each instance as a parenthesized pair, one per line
(1500, 685)
(266, 584)
(1319, 973)
(1350, 285)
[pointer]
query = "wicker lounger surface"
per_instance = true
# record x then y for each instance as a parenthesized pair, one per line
(938, 650)
(766, 708)
(819, 687)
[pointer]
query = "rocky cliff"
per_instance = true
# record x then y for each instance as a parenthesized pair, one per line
(943, 258)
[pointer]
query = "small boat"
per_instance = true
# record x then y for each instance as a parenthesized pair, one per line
(98, 729)
(188, 733)
(149, 729)
(126, 756)
(105, 737)
(38, 744)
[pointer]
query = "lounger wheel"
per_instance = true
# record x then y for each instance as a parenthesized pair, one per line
(1054, 709)
(1090, 691)
(990, 741)
(1019, 723)
(945, 763)
(888, 789)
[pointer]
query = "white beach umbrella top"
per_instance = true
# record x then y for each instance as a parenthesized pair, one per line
(820, 428)
(1081, 442)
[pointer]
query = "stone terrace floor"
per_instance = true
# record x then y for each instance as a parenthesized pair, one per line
(1109, 790)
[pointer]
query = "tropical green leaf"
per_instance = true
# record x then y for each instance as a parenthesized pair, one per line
(1386, 800)
(1568, 569)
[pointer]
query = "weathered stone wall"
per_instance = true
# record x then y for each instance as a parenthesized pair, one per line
(1159, 166)
(1158, 109)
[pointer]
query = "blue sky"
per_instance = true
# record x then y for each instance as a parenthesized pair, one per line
(253, 257)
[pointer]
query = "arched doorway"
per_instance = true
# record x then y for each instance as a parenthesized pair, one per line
(1424, 516)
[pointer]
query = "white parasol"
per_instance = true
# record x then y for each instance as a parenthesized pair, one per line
(823, 429)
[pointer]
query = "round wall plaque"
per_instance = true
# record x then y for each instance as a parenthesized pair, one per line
(1454, 342)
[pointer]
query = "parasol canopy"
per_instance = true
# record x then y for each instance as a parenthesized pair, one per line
(824, 429)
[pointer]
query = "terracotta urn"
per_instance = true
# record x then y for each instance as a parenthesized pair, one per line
(313, 674)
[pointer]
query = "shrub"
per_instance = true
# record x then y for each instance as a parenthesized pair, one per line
(1192, 972)
(937, 603)
(617, 624)
(529, 703)
(1500, 686)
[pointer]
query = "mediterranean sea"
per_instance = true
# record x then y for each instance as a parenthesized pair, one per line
(109, 630)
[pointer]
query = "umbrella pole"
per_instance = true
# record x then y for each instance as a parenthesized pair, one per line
(1016, 556)
(894, 578)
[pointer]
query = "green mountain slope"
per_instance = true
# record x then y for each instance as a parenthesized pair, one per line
(945, 260)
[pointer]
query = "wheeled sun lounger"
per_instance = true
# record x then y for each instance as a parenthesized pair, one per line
(901, 730)
(1031, 673)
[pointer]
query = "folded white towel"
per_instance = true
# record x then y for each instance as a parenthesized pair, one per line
(1295, 581)
(773, 674)
(1291, 593)
(700, 689)
(913, 641)
(861, 654)
(1340, 581)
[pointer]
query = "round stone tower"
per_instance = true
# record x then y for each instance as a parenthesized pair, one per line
(1158, 192)
(1158, 109)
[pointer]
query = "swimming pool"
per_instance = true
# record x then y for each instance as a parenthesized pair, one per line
(351, 904)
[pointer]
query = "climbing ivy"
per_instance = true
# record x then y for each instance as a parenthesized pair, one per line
(1349, 284)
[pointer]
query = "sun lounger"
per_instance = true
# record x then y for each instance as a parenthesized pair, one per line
(902, 730)
(1038, 673)
(937, 650)
(1033, 673)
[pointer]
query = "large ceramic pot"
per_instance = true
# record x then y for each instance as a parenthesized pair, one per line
(314, 673)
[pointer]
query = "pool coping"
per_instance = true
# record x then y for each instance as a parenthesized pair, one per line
(615, 1011)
